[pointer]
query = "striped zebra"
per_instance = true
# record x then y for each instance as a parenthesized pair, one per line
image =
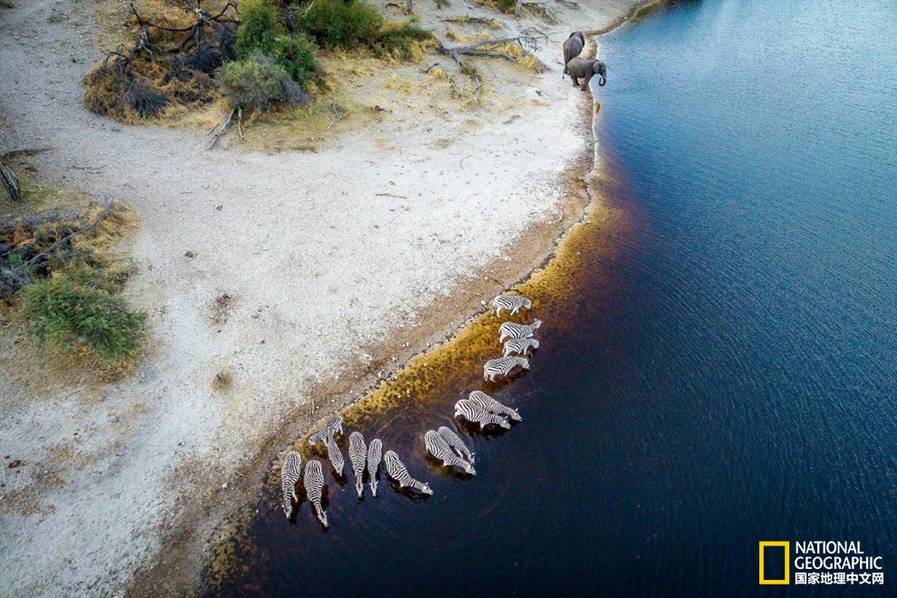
(515, 330)
(289, 475)
(475, 413)
(493, 406)
(519, 346)
(502, 366)
(333, 426)
(314, 486)
(439, 448)
(358, 455)
(335, 455)
(375, 454)
(397, 471)
(512, 303)
(457, 445)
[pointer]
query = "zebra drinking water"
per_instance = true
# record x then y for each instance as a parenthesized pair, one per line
(314, 486)
(335, 455)
(519, 346)
(397, 471)
(475, 413)
(289, 475)
(438, 447)
(357, 456)
(375, 453)
(512, 303)
(502, 366)
(515, 330)
(493, 406)
(457, 445)
(333, 426)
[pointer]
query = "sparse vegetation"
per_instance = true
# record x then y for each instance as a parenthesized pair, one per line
(81, 312)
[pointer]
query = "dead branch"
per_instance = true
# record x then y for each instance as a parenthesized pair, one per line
(569, 4)
(10, 183)
(221, 129)
(475, 20)
(91, 227)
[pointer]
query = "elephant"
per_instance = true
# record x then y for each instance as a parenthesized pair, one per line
(580, 68)
(573, 46)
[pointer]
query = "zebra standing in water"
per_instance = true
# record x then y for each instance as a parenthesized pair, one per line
(502, 366)
(375, 453)
(456, 444)
(439, 448)
(289, 475)
(515, 330)
(519, 346)
(512, 303)
(493, 406)
(397, 471)
(332, 427)
(335, 455)
(314, 486)
(358, 455)
(475, 413)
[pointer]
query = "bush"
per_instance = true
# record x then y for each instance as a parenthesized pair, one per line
(397, 37)
(256, 82)
(337, 23)
(73, 312)
(258, 29)
(296, 55)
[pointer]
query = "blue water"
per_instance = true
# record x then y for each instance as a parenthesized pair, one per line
(728, 374)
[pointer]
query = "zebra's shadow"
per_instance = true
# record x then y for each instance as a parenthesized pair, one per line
(409, 493)
(447, 471)
(490, 431)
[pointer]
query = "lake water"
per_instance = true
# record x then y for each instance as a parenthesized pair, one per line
(726, 374)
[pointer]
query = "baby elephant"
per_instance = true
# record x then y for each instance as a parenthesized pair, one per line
(573, 46)
(580, 68)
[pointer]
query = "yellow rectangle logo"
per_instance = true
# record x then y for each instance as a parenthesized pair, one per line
(787, 578)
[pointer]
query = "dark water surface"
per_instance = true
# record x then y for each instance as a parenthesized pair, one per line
(728, 374)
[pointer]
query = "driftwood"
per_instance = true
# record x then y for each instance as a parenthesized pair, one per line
(537, 8)
(527, 39)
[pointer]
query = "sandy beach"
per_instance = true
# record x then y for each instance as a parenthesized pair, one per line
(337, 265)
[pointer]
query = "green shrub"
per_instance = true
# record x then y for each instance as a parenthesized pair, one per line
(257, 82)
(296, 55)
(337, 23)
(397, 37)
(259, 28)
(72, 312)
(506, 5)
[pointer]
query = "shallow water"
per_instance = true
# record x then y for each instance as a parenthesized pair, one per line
(725, 374)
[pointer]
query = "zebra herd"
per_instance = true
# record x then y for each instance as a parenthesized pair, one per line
(443, 444)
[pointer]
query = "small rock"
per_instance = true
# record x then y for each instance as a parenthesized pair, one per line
(189, 254)
(15, 463)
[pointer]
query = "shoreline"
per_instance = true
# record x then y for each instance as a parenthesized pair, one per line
(556, 246)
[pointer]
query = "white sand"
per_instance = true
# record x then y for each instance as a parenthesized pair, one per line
(318, 265)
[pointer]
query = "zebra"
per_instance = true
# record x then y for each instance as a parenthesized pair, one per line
(438, 447)
(475, 413)
(519, 346)
(493, 406)
(314, 485)
(456, 444)
(375, 453)
(332, 427)
(503, 366)
(289, 475)
(512, 303)
(335, 455)
(397, 471)
(358, 455)
(514, 330)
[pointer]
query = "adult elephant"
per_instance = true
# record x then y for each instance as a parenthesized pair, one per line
(581, 68)
(573, 46)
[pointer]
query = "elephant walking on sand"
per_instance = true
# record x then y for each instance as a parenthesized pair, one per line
(573, 46)
(581, 68)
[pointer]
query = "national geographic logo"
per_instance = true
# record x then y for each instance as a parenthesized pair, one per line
(818, 562)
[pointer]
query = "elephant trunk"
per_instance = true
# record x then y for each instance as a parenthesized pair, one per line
(602, 80)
